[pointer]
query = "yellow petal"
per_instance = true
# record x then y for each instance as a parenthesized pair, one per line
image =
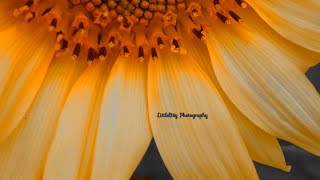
(193, 148)
(298, 21)
(85, 169)
(198, 50)
(16, 46)
(124, 132)
(68, 147)
(24, 82)
(23, 154)
(262, 147)
(265, 85)
(302, 58)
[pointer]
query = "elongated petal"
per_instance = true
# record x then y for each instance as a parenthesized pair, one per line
(86, 165)
(69, 142)
(295, 20)
(23, 154)
(193, 148)
(23, 84)
(198, 50)
(16, 47)
(265, 85)
(301, 57)
(124, 132)
(263, 147)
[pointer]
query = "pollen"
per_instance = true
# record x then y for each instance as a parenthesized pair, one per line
(141, 27)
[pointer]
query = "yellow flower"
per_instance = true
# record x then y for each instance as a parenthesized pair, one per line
(82, 82)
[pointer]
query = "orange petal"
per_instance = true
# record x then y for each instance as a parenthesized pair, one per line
(26, 77)
(295, 20)
(69, 144)
(263, 147)
(261, 80)
(124, 131)
(23, 154)
(193, 148)
(301, 57)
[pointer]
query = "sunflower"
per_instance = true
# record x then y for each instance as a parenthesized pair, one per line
(82, 82)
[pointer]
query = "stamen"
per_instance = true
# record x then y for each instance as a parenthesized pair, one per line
(160, 43)
(99, 38)
(141, 54)
(195, 13)
(23, 8)
(175, 43)
(223, 18)
(102, 53)
(176, 48)
(126, 51)
(217, 4)
(154, 54)
(53, 24)
(46, 11)
(199, 34)
(235, 17)
(241, 3)
(126, 23)
(75, 32)
(76, 51)
(91, 56)
(112, 42)
(29, 3)
(59, 36)
(64, 44)
(30, 16)
(81, 28)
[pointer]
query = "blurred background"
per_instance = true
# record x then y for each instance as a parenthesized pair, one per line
(305, 166)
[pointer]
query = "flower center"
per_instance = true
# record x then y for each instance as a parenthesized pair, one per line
(135, 26)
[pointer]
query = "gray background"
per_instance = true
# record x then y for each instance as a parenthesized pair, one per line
(305, 166)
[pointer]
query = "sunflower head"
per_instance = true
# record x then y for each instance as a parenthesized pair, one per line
(141, 27)
(155, 65)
